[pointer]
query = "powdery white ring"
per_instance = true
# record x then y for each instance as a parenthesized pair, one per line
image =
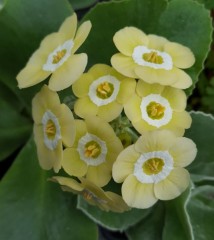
(51, 143)
(153, 178)
(81, 149)
(137, 56)
(93, 90)
(158, 99)
(49, 65)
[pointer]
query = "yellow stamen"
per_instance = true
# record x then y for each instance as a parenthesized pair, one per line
(155, 110)
(105, 90)
(50, 129)
(153, 57)
(92, 149)
(87, 195)
(153, 166)
(59, 55)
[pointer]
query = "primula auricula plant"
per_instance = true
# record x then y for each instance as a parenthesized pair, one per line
(129, 121)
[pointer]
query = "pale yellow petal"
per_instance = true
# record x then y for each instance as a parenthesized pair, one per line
(183, 80)
(67, 126)
(171, 187)
(68, 73)
(81, 130)
(68, 27)
(81, 86)
(99, 175)
(84, 107)
(183, 151)
(43, 101)
(116, 204)
(124, 65)
(143, 89)
(137, 194)
(110, 111)
(81, 35)
(124, 165)
(142, 126)
(156, 42)
(72, 164)
(47, 158)
(176, 97)
(132, 108)
(155, 141)
(182, 56)
(127, 90)
(99, 70)
(68, 182)
(128, 38)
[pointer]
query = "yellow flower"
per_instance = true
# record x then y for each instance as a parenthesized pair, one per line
(156, 107)
(94, 195)
(102, 92)
(152, 58)
(95, 149)
(153, 168)
(53, 125)
(56, 56)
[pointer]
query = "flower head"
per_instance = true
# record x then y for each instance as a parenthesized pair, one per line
(56, 56)
(94, 195)
(102, 92)
(152, 58)
(153, 168)
(53, 125)
(157, 107)
(95, 149)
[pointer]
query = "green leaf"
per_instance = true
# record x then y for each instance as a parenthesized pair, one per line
(111, 220)
(177, 223)
(182, 21)
(14, 129)
(208, 3)
(149, 228)
(23, 25)
(33, 208)
(77, 4)
(201, 210)
(201, 132)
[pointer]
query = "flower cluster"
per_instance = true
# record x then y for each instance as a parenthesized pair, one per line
(127, 120)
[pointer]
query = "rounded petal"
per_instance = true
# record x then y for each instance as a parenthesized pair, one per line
(137, 194)
(82, 34)
(155, 141)
(44, 100)
(47, 158)
(171, 187)
(183, 151)
(84, 107)
(182, 56)
(67, 126)
(69, 72)
(110, 111)
(128, 38)
(81, 86)
(72, 163)
(99, 175)
(127, 90)
(132, 108)
(143, 89)
(68, 27)
(99, 70)
(142, 126)
(81, 130)
(124, 165)
(176, 97)
(124, 65)
(156, 42)
(68, 182)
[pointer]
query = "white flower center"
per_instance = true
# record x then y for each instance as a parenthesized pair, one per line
(152, 167)
(104, 90)
(51, 130)
(58, 56)
(92, 150)
(156, 110)
(152, 58)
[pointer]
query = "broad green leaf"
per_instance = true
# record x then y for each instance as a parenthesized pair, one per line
(201, 211)
(14, 129)
(149, 228)
(201, 132)
(177, 222)
(23, 24)
(111, 220)
(80, 4)
(182, 21)
(208, 3)
(33, 208)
